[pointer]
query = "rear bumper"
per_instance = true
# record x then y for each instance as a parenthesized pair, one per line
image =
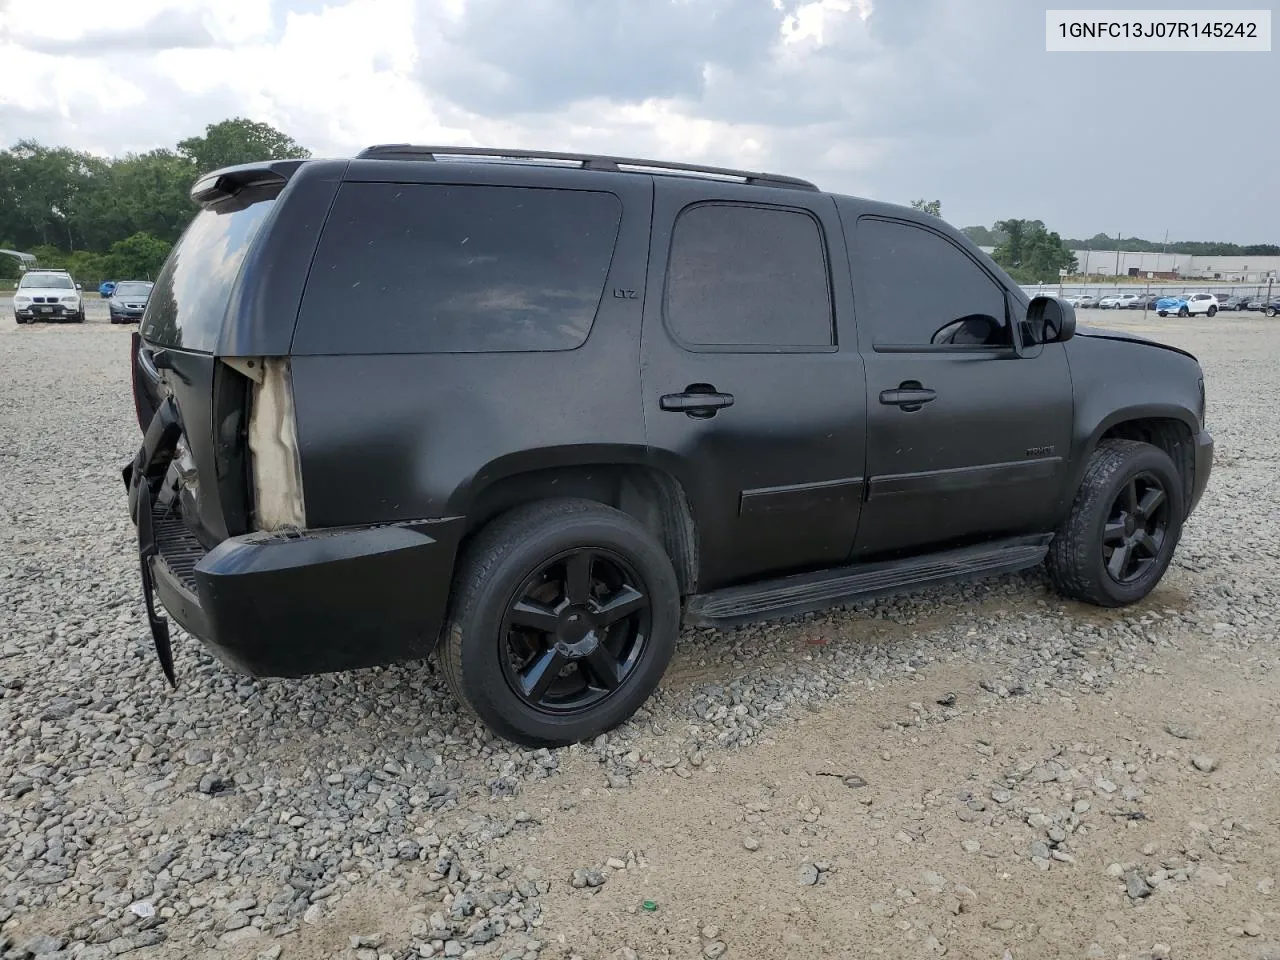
(1203, 467)
(319, 601)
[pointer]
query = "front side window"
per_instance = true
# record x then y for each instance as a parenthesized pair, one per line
(444, 268)
(914, 287)
(748, 276)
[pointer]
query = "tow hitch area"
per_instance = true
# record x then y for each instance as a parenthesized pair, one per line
(151, 463)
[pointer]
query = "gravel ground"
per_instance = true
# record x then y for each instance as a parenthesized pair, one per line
(968, 770)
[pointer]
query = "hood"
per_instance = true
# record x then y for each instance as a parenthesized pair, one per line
(1098, 333)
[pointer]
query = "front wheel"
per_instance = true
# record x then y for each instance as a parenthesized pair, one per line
(1162, 313)
(564, 617)
(1272, 311)
(1213, 311)
(1118, 539)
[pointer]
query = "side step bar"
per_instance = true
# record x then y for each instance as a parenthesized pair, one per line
(809, 592)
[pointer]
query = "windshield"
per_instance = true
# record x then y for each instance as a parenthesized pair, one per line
(191, 294)
(49, 281)
(136, 289)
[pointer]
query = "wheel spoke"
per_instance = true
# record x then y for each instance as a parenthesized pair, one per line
(1149, 544)
(537, 678)
(1131, 496)
(1119, 560)
(626, 601)
(533, 616)
(1113, 532)
(1151, 500)
(577, 577)
(603, 666)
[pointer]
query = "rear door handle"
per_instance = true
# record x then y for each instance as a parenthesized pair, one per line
(698, 400)
(909, 396)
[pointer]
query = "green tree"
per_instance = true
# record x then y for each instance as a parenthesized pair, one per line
(1030, 253)
(138, 257)
(239, 141)
(933, 207)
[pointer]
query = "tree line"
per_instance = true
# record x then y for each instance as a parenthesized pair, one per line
(116, 218)
(990, 237)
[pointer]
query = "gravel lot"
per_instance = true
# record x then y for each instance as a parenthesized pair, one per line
(979, 771)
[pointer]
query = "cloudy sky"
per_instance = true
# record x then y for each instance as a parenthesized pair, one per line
(893, 99)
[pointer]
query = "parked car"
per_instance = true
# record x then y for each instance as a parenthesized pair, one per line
(527, 417)
(106, 289)
(1258, 303)
(1086, 300)
(129, 300)
(1144, 301)
(47, 295)
(1272, 307)
(1232, 302)
(1117, 301)
(1183, 306)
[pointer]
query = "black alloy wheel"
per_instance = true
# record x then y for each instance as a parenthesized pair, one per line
(1136, 527)
(575, 630)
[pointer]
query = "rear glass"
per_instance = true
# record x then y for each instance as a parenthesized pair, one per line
(442, 268)
(189, 299)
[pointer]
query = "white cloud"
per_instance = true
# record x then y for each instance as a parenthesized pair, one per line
(888, 98)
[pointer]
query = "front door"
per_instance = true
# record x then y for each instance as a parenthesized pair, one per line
(751, 399)
(967, 433)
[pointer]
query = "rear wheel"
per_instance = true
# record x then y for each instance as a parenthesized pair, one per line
(565, 614)
(1213, 311)
(1272, 311)
(1124, 525)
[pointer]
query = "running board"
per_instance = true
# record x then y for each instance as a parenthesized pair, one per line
(809, 592)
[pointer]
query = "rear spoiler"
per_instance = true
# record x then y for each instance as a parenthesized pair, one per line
(221, 184)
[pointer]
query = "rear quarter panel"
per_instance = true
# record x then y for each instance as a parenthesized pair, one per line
(411, 436)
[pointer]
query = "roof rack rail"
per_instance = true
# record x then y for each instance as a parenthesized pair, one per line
(585, 161)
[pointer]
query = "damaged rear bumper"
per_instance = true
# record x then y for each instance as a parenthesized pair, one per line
(287, 604)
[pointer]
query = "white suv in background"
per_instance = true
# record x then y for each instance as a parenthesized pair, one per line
(47, 295)
(1119, 301)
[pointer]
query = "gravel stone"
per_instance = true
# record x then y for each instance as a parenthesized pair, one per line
(1136, 885)
(1204, 763)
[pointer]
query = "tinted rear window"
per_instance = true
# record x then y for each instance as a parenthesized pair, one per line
(435, 268)
(189, 299)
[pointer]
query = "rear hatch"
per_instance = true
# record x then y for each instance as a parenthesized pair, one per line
(189, 357)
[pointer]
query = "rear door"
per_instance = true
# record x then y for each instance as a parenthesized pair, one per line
(967, 435)
(752, 397)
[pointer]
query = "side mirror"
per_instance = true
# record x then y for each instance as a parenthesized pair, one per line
(1049, 320)
(78, 287)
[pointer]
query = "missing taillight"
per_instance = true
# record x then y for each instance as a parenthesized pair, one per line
(273, 448)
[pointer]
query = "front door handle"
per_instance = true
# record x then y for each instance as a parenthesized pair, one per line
(909, 397)
(699, 400)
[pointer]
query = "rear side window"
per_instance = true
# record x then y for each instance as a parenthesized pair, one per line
(748, 276)
(189, 299)
(435, 268)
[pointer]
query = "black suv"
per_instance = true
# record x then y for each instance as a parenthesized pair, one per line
(528, 411)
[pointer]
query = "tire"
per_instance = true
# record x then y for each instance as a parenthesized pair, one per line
(79, 317)
(1213, 311)
(18, 319)
(1162, 313)
(1271, 311)
(508, 562)
(1184, 312)
(1078, 563)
